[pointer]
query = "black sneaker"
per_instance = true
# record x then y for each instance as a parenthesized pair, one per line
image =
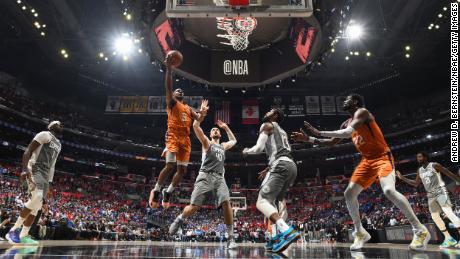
(154, 198)
(166, 198)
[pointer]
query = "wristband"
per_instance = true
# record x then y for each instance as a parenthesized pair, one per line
(311, 140)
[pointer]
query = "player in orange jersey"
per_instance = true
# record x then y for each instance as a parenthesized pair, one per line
(178, 146)
(376, 163)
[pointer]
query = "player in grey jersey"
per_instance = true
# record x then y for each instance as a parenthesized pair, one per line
(281, 175)
(38, 164)
(429, 173)
(211, 177)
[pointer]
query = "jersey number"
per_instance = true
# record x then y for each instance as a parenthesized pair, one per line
(219, 157)
(285, 140)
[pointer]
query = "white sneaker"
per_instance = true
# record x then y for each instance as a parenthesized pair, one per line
(231, 244)
(420, 240)
(360, 239)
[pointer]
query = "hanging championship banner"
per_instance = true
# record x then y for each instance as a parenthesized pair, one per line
(156, 105)
(339, 103)
(295, 108)
(140, 104)
(195, 102)
(312, 103)
(127, 104)
(113, 104)
(328, 105)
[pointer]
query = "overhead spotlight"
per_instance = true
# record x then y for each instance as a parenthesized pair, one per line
(444, 8)
(243, 91)
(440, 15)
(124, 44)
(277, 85)
(101, 55)
(407, 48)
(351, 53)
(125, 58)
(429, 136)
(36, 14)
(33, 10)
(128, 16)
(347, 58)
(37, 24)
(43, 25)
(106, 58)
(332, 50)
(407, 55)
(436, 27)
(24, 7)
(66, 55)
(356, 53)
(226, 91)
(140, 50)
(368, 54)
(42, 33)
(19, 1)
(293, 79)
(63, 51)
(177, 79)
(114, 53)
(354, 31)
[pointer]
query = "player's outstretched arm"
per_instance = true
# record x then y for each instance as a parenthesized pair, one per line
(361, 116)
(302, 136)
(414, 183)
(199, 131)
(168, 82)
(439, 168)
(231, 137)
(265, 130)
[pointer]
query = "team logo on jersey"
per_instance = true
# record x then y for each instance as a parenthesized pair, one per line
(358, 140)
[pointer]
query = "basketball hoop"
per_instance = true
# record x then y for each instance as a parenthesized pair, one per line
(238, 30)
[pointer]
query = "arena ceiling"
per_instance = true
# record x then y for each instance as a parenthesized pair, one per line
(86, 28)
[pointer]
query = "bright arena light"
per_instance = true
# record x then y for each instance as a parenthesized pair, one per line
(124, 45)
(354, 31)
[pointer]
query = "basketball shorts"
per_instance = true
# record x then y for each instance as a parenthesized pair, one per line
(210, 183)
(369, 170)
(279, 178)
(40, 182)
(438, 200)
(179, 148)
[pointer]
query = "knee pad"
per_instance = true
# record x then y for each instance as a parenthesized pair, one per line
(264, 206)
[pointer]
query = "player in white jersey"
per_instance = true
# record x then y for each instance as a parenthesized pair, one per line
(38, 162)
(429, 173)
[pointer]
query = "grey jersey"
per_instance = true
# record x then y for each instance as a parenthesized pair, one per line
(44, 158)
(213, 160)
(277, 144)
(431, 179)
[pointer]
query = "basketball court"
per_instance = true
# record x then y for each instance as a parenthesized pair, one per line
(136, 249)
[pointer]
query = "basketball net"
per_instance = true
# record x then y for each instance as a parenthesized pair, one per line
(238, 30)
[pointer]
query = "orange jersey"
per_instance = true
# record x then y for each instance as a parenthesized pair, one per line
(179, 119)
(369, 140)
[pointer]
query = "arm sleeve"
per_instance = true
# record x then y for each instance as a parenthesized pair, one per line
(342, 133)
(259, 147)
(43, 137)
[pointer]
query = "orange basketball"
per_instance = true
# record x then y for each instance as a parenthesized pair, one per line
(176, 58)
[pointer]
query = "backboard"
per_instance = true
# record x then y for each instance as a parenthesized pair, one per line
(222, 8)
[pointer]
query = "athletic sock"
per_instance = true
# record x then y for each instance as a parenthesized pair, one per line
(282, 225)
(170, 188)
(18, 223)
(446, 234)
(24, 231)
(230, 231)
(274, 232)
(157, 188)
